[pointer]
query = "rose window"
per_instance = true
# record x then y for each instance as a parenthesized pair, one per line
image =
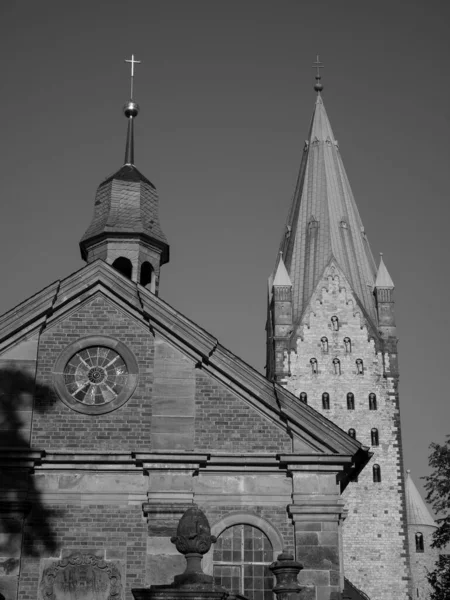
(95, 375)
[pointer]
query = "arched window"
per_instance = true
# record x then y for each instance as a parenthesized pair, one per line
(304, 397)
(334, 323)
(348, 344)
(337, 366)
(376, 471)
(372, 401)
(124, 266)
(352, 433)
(324, 342)
(419, 542)
(374, 436)
(350, 401)
(314, 366)
(241, 559)
(359, 366)
(326, 401)
(147, 275)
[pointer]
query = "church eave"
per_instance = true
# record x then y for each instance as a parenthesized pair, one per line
(158, 242)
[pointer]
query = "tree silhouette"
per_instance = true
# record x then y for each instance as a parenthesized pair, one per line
(25, 523)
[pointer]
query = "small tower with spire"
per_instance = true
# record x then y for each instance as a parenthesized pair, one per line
(280, 319)
(125, 230)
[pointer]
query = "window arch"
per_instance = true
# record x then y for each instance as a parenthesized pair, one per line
(350, 401)
(335, 323)
(419, 542)
(314, 366)
(337, 366)
(352, 433)
(304, 397)
(326, 401)
(374, 437)
(147, 276)
(359, 366)
(376, 472)
(324, 342)
(124, 266)
(348, 344)
(372, 401)
(241, 559)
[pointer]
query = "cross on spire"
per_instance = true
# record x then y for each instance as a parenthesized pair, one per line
(133, 62)
(318, 65)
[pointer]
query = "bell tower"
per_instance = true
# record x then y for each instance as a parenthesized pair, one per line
(331, 340)
(125, 231)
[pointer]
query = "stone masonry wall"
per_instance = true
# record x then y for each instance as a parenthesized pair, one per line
(422, 562)
(57, 427)
(374, 533)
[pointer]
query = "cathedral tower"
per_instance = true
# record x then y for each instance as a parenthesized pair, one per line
(338, 353)
(125, 230)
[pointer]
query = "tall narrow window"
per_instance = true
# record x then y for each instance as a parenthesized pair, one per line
(324, 342)
(350, 401)
(241, 559)
(326, 401)
(419, 542)
(314, 366)
(147, 275)
(335, 323)
(337, 366)
(374, 436)
(124, 266)
(352, 433)
(372, 401)
(304, 397)
(348, 344)
(359, 366)
(376, 471)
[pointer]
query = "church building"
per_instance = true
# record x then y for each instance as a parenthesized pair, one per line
(118, 413)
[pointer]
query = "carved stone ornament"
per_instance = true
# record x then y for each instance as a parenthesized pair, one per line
(193, 533)
(81, 577)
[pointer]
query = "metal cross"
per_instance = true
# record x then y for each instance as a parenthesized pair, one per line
(133, 62)
(318, 65)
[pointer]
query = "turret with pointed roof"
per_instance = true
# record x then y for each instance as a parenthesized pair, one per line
(125, 229)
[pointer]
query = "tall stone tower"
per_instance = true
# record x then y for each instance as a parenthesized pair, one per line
(331, 340)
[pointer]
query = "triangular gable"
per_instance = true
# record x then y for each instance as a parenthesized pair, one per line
(311, 429)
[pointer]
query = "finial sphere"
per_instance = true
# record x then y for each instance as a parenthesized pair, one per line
(318, 86)
(131, 109)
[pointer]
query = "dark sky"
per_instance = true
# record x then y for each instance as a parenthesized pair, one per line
(226, 97)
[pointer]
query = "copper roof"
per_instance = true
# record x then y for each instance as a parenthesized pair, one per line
(324, 222)
(416, 510)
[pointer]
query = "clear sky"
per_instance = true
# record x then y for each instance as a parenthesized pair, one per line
(226, 97)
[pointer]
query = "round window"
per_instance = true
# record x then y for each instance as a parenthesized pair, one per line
(95, 375)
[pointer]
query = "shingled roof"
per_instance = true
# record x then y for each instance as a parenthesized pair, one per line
(416, 510)
(324, 222)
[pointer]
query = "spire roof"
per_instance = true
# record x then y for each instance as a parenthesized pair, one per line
(281, 275)
(383, 279)
(324, 222)
(416, 510)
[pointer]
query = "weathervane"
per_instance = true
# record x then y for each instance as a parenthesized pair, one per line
(318, 65)
(133, 62)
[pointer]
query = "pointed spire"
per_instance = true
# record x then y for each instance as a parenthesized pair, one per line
(324, 224)
(131, 111)
(383, 279)
(281, 275)
(417, 512)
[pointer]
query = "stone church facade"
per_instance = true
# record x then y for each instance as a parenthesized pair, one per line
(118, 413)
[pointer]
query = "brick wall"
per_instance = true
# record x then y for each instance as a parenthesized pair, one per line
(56, 426)
(375, 538)
(224, 422)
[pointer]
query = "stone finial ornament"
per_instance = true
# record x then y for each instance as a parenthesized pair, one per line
(193, 533)
(286, 570)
